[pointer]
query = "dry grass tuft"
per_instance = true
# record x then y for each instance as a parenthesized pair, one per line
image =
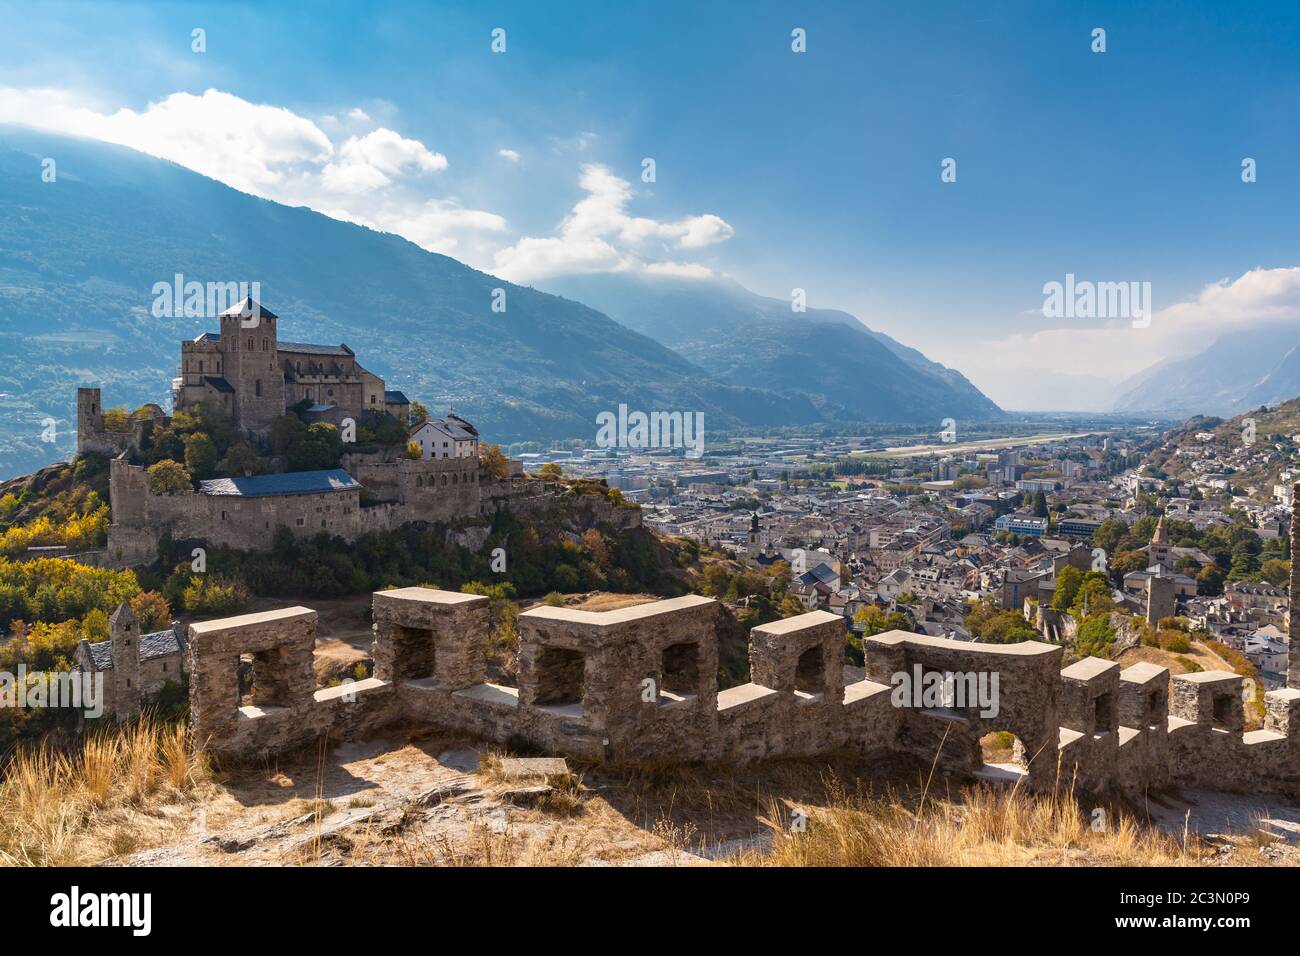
(487, 843)
(105, 799)
(981, 826)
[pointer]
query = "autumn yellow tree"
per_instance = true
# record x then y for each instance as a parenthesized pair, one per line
(492, 460)
(167, 477)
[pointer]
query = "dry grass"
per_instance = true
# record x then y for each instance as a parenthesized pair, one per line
(981, 826)
(487, 844)
(565, 798)
(112, 796)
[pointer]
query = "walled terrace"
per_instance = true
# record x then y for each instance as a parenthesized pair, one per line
(640, 682)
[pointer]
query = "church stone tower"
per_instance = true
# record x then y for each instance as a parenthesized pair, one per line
(124, 643)
(1158, 550)
(250, 362)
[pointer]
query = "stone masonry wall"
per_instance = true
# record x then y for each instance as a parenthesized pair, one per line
(140, 516)
(640, 683)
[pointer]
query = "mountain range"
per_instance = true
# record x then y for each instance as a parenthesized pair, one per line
(80, 256)
(1238, 371)
(849, 371)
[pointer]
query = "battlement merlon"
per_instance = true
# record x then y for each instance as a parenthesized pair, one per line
(605, 622)
(430, 635)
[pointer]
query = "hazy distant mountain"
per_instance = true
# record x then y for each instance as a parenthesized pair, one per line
(849, 371)
(1238, 371)
(1281, 384)
(79, 257)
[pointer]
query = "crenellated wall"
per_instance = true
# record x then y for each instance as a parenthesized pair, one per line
(640, 683)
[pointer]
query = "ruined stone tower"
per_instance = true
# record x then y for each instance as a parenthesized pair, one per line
(124, 640)
(250, 364)
(90, 413)
(1162, 597)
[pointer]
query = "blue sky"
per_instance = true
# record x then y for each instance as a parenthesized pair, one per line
(817, 170)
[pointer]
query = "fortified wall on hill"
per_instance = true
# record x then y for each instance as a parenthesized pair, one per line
(245, 512)
(252, 377)
(640, 683)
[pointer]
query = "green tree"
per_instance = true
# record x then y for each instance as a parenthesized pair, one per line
(492, 460)
(318, 449)
(286, 430)
(1108, 534)
(1095, 636)
(153, 611)
(1067, 587)
(116, 420)
(992, 625)
(240, 460)
(874, 620)
(1126, 562)
(200, 454)
(1245, 563)
(1276, 571)
(1210, 581)
(1094, 595)
(167, 477)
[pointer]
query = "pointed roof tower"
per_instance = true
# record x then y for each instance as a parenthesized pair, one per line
(1161, 535)
(247, 308)
(123, 619)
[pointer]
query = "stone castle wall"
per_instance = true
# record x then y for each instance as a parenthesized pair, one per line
(640, 683)
(141, 517)
(437, 490)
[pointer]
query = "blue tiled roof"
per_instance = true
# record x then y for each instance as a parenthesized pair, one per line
(290, 483)
(391, 395)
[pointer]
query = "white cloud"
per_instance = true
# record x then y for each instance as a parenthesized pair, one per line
(679, 270)
(271, 152)
(443, 226)
(538, 258)
(371, 161)
(251, 146)
(705, 231)
(1027, 369)
(598, 235)
(379, 179)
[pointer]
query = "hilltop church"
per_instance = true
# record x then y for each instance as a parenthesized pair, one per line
(255, 378)
(246, 371)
